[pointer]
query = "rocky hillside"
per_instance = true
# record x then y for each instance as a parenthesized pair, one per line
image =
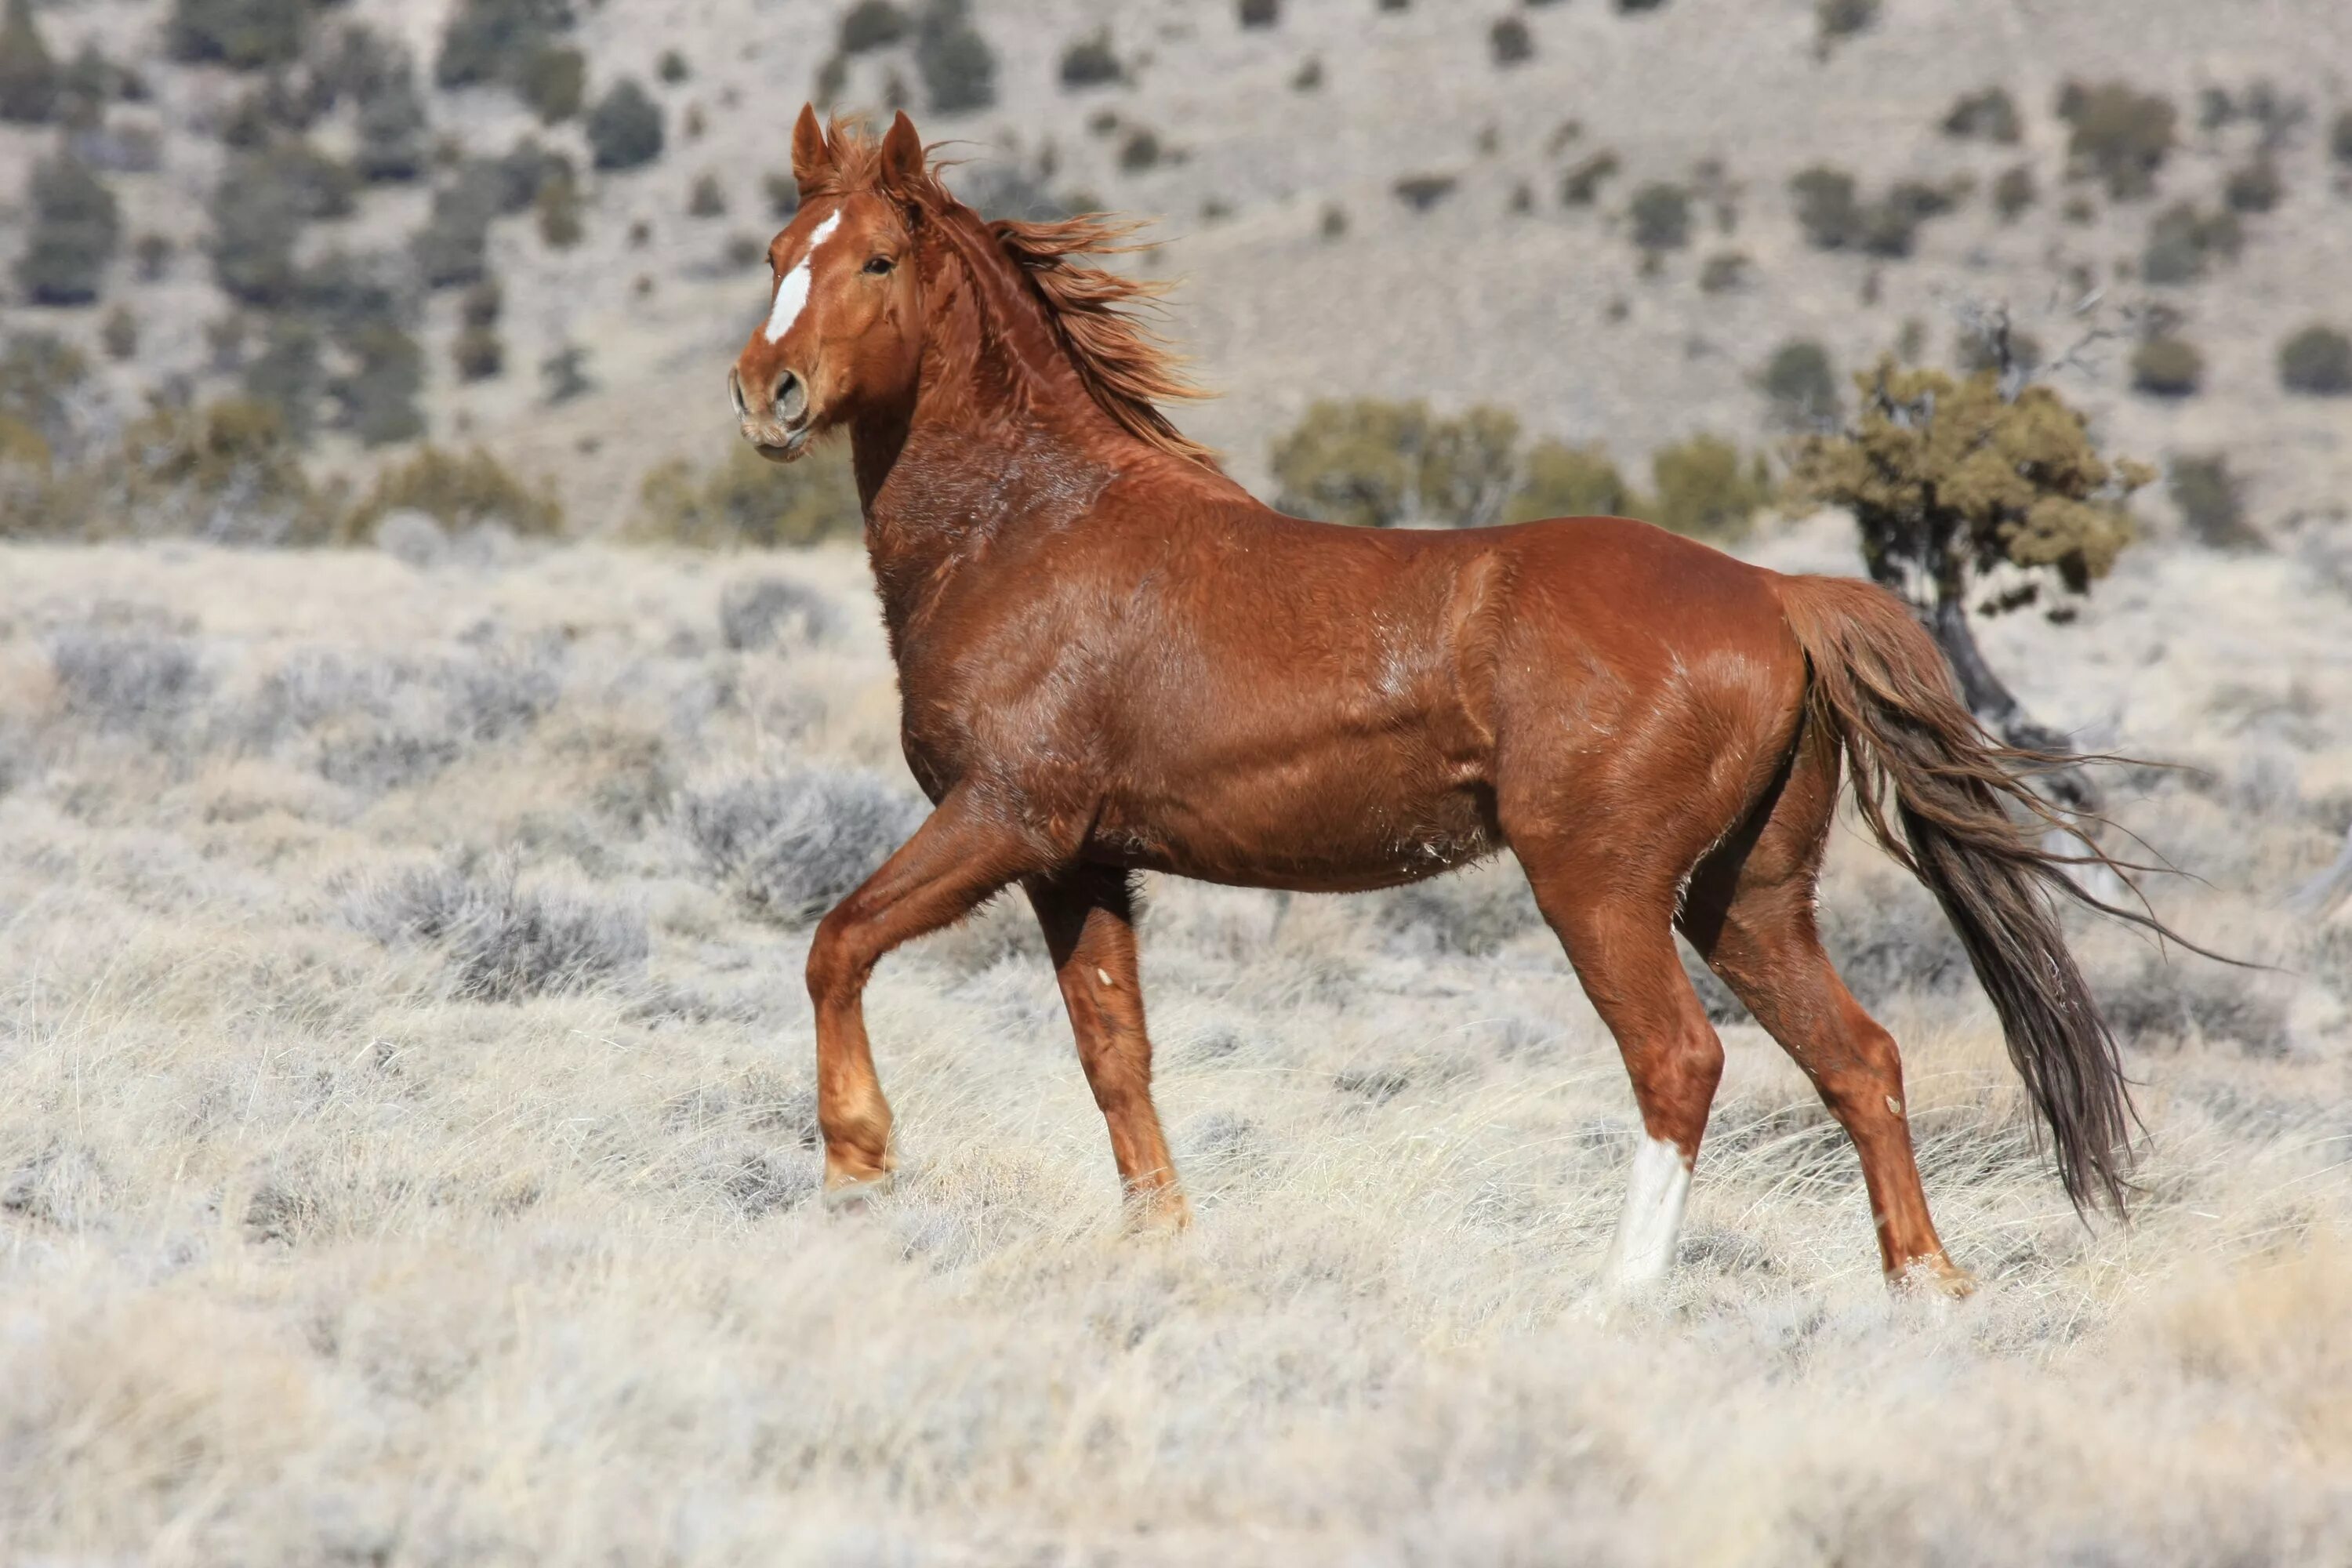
(539, 226)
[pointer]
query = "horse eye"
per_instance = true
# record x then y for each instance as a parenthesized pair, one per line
(880, 265)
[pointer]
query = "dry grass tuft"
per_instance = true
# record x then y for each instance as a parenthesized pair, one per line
(408, 1146)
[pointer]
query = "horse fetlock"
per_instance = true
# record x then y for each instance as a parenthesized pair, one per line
(1157, 1210)
(854, 1195)
(858, 1141)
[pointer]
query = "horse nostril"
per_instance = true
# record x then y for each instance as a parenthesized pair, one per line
(735, 391)
(790, 400)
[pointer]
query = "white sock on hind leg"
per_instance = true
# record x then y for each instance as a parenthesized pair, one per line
(1643, 1248)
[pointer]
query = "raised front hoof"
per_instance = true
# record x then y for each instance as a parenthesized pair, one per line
(856, 1195)
(1932, 1278)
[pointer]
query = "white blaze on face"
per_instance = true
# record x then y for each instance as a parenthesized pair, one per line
(793, 292)
(1652, 1217)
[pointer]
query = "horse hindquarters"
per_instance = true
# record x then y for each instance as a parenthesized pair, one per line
(1607, 837)
(1750, 913)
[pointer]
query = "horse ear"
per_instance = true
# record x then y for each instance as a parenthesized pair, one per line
(812, 159)
(902, 155)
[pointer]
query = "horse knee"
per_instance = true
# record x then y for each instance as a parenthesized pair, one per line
(837, 968)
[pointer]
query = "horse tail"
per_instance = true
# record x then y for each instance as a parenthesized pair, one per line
(1949, 803)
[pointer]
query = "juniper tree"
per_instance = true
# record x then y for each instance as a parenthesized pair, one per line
(1390, 464)
(1959, 485)
(29, 74)
(74, 231)
(392, 123)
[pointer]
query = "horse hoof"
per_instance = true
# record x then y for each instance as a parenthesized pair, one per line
(853, 1197)
(1161, 1213)
(1936, 1275)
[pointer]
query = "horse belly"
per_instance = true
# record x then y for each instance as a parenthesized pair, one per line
(1343, 819)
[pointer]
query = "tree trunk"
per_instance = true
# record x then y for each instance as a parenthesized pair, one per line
(1995, 706)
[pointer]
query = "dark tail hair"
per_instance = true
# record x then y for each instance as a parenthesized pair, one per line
(1966, 824)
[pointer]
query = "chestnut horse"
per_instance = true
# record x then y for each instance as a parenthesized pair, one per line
(1112, 658)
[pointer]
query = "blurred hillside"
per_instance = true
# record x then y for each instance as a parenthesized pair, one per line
(539, 226)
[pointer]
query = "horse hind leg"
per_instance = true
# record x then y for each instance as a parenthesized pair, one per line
(1622, 946)
(1750, 913)
(1088, 915)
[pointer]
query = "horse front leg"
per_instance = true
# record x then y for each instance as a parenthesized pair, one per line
(1087, 914)
(964, 852)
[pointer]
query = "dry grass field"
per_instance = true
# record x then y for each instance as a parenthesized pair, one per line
(406, 1134)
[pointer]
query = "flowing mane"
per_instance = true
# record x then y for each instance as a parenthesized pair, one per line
(1127, 367)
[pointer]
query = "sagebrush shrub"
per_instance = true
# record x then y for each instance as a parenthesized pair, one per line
(2183, 243)
(1802, 384)
(479, 354)
(1376, 463)
(119, 334)
(1509, 42)
(1581, 185)
(2013, 192)
(288, 373)
(1560, 481)
(228, 471)
(2211, 501)
(460, 490)
(497, 40)
(1990, 115)
(1660, 216)
(376, 397)
(872, 25)
(557, 211)
(746, 500)
(2186, 998)
(1893, 945)
(554, 82)
(246, 35)
(1975, 350)
(1090, 62)
(1473, 912)
(1423, 192)
(1835, 19)
(563, 375)
(2118, 134)
(1725, 271)
(257, 218)
(2168, 367)
(1703, 487)
(624, 128)
(1140, 152)
(957, 67)
(373, 724)
(391, 127)
(795, 843)
(29, 78)
(2317, 361)
(1827, 208)
(76, 229)
(2254, 187)
(758, 612)
(126, 681)
(501, 941)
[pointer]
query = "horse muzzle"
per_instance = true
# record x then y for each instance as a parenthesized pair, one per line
(778, 424)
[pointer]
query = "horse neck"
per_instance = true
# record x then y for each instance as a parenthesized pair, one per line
(1001, 433)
